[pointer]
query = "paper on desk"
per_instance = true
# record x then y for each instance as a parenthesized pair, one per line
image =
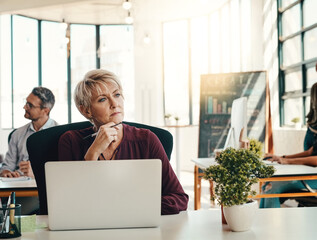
(23, 178)
(28, 223)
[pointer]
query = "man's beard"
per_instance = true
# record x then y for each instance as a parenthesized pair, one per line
(29, 116)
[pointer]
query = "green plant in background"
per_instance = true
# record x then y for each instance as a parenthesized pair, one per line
(235, 173)
(295, 120)
(167, 116)
(257, 147)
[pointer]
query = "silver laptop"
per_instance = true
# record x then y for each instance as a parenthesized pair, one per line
(103, 194)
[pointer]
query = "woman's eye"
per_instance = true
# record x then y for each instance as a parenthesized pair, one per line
(118, 94)
(102, 99)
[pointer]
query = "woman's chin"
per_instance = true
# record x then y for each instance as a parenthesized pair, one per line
(116, 118)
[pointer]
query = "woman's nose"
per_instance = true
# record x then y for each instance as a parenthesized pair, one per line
(114, 103)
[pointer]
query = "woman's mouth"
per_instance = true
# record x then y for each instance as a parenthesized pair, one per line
(114, 114)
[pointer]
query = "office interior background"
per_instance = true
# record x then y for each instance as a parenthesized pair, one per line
(159, 53)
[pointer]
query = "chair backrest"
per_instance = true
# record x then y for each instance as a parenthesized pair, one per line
(42, 146)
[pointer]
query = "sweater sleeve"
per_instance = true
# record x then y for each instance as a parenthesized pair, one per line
(65, 147)
(174, 199)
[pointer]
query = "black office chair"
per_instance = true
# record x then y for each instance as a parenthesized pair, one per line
(42, 146)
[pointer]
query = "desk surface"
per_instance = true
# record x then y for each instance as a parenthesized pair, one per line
(26, 188)
(25, 184)
(283, 223)
(281, 169)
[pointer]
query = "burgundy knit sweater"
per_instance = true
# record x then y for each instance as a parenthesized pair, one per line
(137, 143)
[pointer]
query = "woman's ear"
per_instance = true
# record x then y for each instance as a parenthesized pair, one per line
(85, 111)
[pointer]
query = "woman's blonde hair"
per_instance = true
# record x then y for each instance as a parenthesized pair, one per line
(93, 80)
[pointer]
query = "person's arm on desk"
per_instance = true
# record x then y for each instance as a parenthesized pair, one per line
(26, 169)
(10, 161)
(302, 158)
(9, 174)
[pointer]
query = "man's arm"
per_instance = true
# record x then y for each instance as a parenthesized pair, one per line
(26, 169)
(10, 161)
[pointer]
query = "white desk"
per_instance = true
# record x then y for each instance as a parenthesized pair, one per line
(282, 173)
(22, 188)
(272, 224)
(282, 170)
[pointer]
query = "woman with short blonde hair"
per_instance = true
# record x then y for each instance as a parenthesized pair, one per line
(99, 98)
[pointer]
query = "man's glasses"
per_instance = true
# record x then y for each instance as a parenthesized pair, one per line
(31, 106)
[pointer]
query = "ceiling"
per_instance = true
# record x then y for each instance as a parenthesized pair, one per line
(91, 12)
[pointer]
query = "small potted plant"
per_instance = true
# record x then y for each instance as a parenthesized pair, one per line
(176, 119)
(167, 118)
(296, 122)
(235, 173)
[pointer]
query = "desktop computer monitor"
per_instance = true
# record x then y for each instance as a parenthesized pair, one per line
(238, 122)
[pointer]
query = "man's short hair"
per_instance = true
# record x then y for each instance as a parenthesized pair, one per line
(45, 95)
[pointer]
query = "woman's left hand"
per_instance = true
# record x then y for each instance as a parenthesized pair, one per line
(105, 136)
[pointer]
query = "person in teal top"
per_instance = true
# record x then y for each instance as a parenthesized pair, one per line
(311, 134)
(308, 157)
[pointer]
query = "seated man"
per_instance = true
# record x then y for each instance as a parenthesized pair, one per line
(37, 108)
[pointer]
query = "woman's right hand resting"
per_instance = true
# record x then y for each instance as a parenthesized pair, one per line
(105, 136)
(275, 158)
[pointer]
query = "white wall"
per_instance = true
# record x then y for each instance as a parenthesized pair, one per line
(149, 16)
(288, 141)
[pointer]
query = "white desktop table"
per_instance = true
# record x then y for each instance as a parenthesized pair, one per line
(269, 224)
(26, 188)
(283, 173)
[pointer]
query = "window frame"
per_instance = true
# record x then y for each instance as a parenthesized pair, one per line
(302, 66)
(40, 63)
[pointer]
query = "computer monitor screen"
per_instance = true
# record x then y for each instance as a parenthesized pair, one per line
(238, 121)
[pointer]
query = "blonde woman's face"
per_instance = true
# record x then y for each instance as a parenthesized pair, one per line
(107, 105)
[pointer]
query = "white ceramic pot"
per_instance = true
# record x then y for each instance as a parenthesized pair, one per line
(298, 125)
(240, 217)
